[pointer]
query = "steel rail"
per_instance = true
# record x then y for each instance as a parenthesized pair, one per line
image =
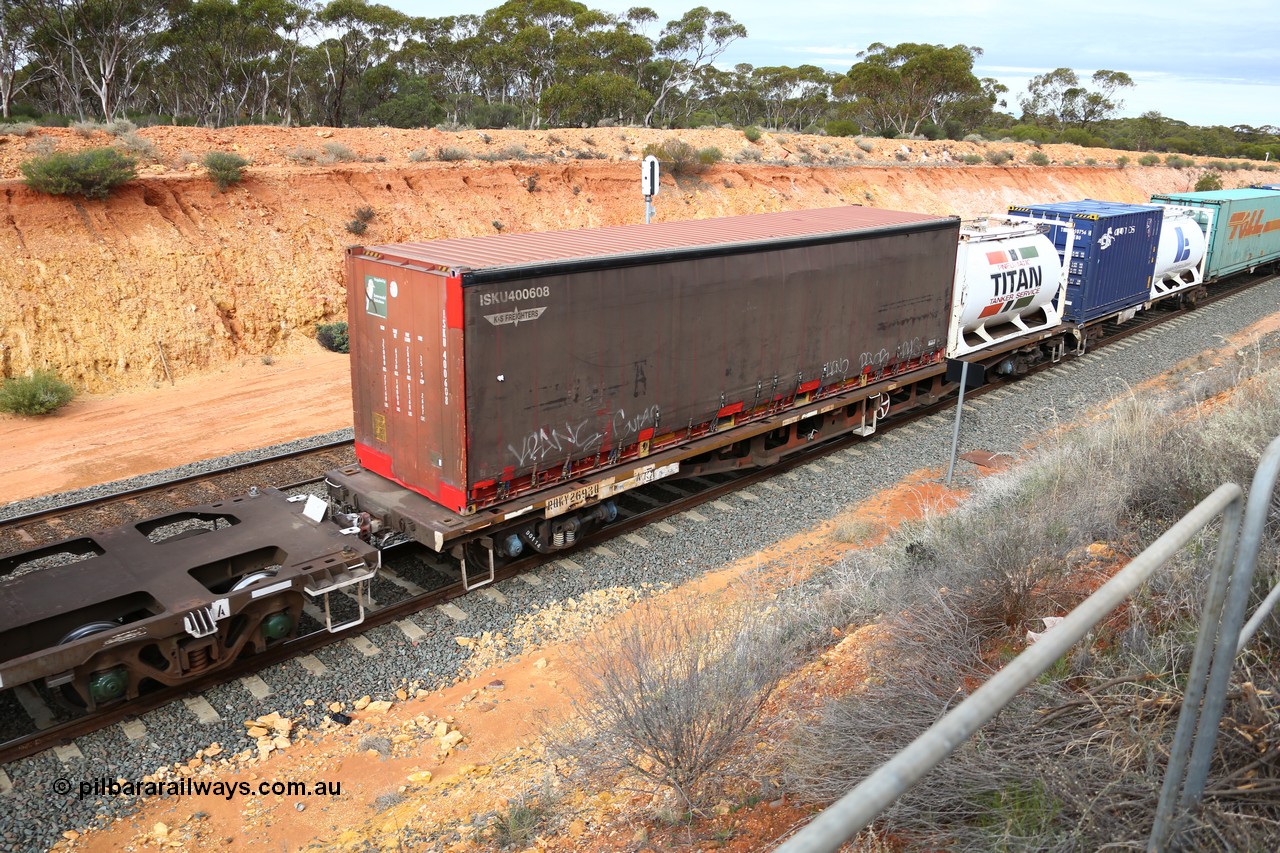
(47, 513)
(80, 726)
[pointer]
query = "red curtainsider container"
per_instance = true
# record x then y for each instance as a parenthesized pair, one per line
(487, 367)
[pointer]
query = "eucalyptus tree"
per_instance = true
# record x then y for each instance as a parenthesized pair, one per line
(793, 97)
(600, 73)
(1058, 99)
(355, 59)
(17, 36)
(896, 90)
(96, 50)
(540, 34)
(443, 53)
(229, 60)
(738, 96)
(685, 47)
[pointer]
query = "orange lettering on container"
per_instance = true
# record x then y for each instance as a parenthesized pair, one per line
(1248, 223)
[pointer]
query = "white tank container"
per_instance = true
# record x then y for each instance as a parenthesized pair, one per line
(1008, 277)
(1178, 256)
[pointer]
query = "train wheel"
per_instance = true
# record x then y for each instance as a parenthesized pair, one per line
(106, 685)
(277, 626)
(250, 579)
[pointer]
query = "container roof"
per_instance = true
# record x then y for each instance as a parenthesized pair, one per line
(499, 251)
(1089, 207)
(1242, 194)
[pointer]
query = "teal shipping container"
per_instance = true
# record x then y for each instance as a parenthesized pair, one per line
(1242, 227)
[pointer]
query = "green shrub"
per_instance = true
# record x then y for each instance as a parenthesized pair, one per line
(1038, 158)
(998, 158)
(37, 394)
(1148, 160)
(333, 336)
(710, 155)
(678, 156)
(1077, 136)
(1174, 161)
(855, 531)
(339, 152)
(224, 168)
(92, 173)
(87, 128)
(1122, 161)
(752, 133)
(139, 146)
(365, 213)
(302, 154)
(1268, 167)
(41, 146)
(972, 159)
(418, 155)
(670, 693)
(17, 128)
(452, 152)
(520, 825)
(357, 227)
(120, 127)
(1209, 182)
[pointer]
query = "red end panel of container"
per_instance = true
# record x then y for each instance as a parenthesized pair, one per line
(408, 398)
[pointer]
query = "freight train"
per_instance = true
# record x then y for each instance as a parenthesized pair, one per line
(506, 389)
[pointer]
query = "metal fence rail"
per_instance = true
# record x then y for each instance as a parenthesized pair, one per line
(1220, 637)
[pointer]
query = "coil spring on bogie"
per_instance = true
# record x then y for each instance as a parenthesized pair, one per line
(199, 659)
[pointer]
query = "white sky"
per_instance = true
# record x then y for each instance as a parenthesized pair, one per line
(1199, 62)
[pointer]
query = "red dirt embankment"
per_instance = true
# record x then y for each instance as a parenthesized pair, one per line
(99, 291)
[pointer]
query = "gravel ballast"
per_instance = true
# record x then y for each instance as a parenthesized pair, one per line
(33, 814)
(204, 466)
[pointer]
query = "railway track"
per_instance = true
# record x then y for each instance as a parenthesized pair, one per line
(414, 580)
(638, 508)
(286, 470)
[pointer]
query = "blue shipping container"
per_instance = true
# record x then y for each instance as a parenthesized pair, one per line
(1112, 258)
(1242, 227)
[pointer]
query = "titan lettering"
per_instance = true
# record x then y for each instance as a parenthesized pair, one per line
(1013, 281)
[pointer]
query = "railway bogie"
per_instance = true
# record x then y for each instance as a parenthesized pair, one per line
(109, 616)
